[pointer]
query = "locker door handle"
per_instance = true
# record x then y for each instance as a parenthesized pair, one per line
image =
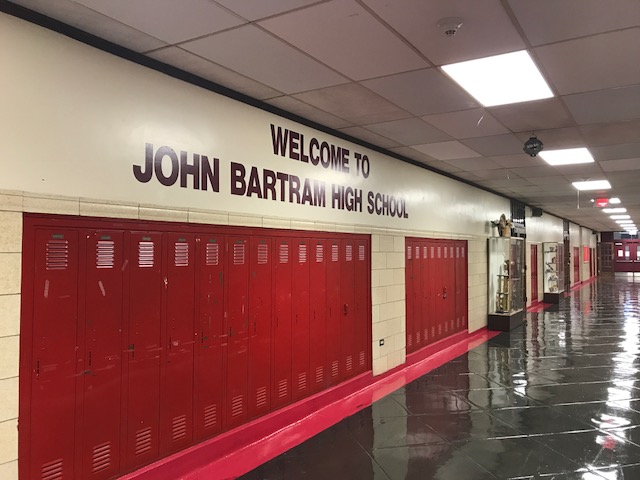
(37, 368)
(346, 308)
(444, 292)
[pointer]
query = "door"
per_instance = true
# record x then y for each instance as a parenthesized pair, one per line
(210, 335)
(362, 302)
(144, 347)
(461, 298)
(300, 320)
(101, 376)
(576, 265)
(347, 320)
(177, 427)
(534, 273)
(412, 281)
(318, 314)
(260, 304)
(334, 312)
(281, 386)
(54, 361)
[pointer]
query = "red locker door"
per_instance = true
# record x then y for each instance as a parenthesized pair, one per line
(209, 374)
(362, 300)
(103, 347)
(238, 331)
(409, 281)
(334, 312)
(53, 354)
(424, 298)
(260, 303)
(300, 318)
(449, 288)
(177, 382)
(347, 299)
(419, 339)
(281, 388)
(144, 347)
(318, 314)
(462, 296)
(435, 290)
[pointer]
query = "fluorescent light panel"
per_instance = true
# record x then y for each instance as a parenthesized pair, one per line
(620, 217)
(624, 222)
(592, 185)
(567, 156)
(501, 79)
(614, 201)
(614, 210)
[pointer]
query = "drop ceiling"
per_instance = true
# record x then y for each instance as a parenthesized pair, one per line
(370, 69)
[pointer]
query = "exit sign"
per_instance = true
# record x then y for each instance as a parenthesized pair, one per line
(602, 202)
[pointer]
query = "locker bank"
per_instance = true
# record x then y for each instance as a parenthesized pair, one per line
(192, 262)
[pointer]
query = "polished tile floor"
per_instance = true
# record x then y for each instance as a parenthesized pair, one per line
(557, 399)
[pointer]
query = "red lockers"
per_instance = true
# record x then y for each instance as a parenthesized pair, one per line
(436, 290)
(140, 339)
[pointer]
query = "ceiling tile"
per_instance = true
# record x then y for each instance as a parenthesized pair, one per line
(546, 21)
(478, 165)
(591, 63)
(412, 154)
(256, 9)
(518, 160)
(90, 21)
(416, 92)
(615, 152)
(495, 145)
(468, 176)
(557, 138)
(346, 37)
(608, 134)
(627, 164)
(536, 171)
(486, 29)
(531, 116)
(189, 62)
(613, 105)
(447, 150)
(256, 54)
(367, 136)
(354, 103)
(549, 180)
(168, 20)
(297, 107)
(476, 122)
(409, 131)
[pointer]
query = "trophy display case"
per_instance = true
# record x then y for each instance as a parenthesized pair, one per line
(506, 283)
(553, 277)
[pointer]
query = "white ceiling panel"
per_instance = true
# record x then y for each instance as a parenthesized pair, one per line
(88, 20)
(348, 38)
(293, 105)
(615, 152)
(591, 63)
(518, 160)
(447, 150)
(476, 122)
(479, 165)
(486, 29)
(368, 136)
(354, 103)
(190, 62)
(613, 105)
(409, 131)
(257, 9)
(258, 55)
(171, 21)
(533, 172)
(531, 116)
(546, 21)
(611, 133)
(627, 164)
(495, 145)
(415, 92)
(549, 180)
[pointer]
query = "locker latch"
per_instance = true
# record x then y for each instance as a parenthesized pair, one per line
(444, 292)
(346, 308)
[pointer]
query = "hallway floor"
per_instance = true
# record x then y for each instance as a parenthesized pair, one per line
(557, 399)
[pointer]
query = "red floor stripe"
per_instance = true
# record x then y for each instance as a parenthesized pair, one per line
(236, 452)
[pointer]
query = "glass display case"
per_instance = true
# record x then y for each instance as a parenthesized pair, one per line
(553, 278)
(506, 283)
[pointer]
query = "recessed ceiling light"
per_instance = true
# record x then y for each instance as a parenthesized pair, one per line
(567, 156)
(592, 185)
(620, 217)
(614, 210)
(624, 222)
(501, 79)
(614, 201)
